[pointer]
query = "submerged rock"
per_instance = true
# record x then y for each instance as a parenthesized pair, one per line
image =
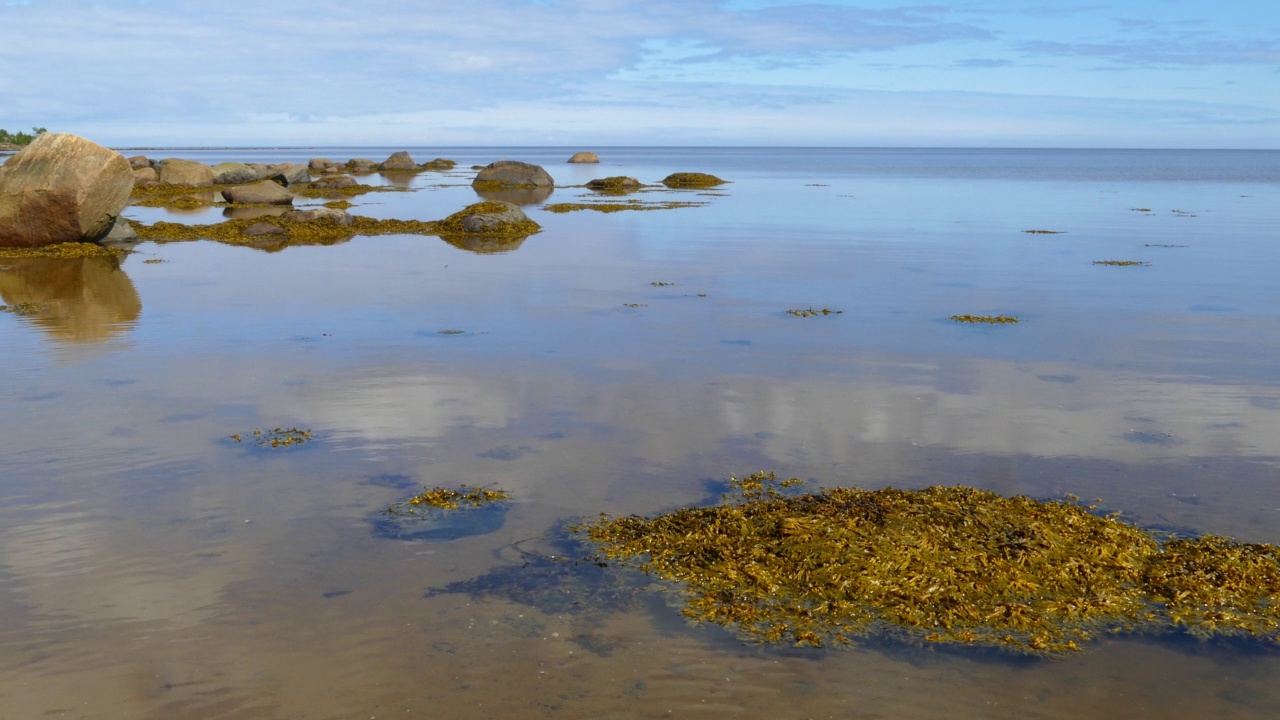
(618, 183)
(511, 174)
(61, 188)
(584, 157)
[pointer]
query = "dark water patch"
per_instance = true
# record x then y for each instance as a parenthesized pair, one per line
(1213, 309)
(735, 342)
(1065, 379)
(506, 452)
(335, 594)
(1144, 437)
(394, 481)
(435, 524)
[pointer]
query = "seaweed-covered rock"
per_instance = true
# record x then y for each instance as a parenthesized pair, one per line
(584, 157)
(233, 173)
(489, 217)
(262, 192)
(398, 162)
(618, 183)
(61, 188)
(176, 171)
(511, 174)
(691, 180)
(337, 182)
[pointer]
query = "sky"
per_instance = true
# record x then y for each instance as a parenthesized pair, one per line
(598, 73)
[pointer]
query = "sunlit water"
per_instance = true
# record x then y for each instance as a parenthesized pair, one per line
(150, 567)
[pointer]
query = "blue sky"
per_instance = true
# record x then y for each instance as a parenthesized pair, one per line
(588, 73)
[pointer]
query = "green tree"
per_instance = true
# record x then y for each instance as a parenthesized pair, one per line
(20, 138)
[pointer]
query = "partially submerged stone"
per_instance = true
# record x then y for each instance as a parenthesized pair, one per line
(361, 166)
(398, 162)
(508, 174)
(61, 188)
(234, 173)
(691, 180)
(263, 192)
(615, 184)
(584, 157)
(491, 218)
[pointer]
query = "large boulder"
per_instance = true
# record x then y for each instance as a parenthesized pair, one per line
(144, 175)
(234, 173)
(340, 217)
(399, 161)
(511, 174)
(176, 171)
(584, 157)
(263, 192)
(361, 166)
(335, 182)
(61, 188)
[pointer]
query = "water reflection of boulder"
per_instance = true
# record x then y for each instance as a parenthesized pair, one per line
(482, 245)
(80, 300)
(518, 196)
(236, 213)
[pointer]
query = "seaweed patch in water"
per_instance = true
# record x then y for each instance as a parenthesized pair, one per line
(810, 312)
(610, 207)
(941, 565)
(69, 250)
(443, 514)
(692, 180)
(23, 308)
(276, 437)
(1121, 263)
(985, 319)
(1045, 232)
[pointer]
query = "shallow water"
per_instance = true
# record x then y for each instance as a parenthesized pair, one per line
(151, 567)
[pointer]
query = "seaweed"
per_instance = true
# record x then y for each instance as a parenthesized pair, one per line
(276, 438)
(985, 319)
(811, 312)
(692, 180)
(952, 565)
(64, 251)
(1121, 263)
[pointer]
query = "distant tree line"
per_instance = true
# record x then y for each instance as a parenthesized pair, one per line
(19, 138)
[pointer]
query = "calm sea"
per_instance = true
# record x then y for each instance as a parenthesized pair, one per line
(152, 567)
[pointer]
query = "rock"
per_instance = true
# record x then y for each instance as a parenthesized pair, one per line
(264, 228)
(517, 196)
(617, 183)
(361, 166)
(335, 183)
(399, 161)
(339, 216)
(290, 174)
(511, 173)
(491, 217)
(440, 165)
(121, 234)
(144, 175)
(691, 180)
(61, 188)
(231, 173)
(584, 157)
(264, 192)
(319, 164)
(263, 171)
(139, 161)
(176, 171)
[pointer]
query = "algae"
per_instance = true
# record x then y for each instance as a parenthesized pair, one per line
(276, 438)
(954, 565)
(985, 319)
(611, 207)
(63, 251)
(1045, 232)
(448, 499)
(810, 312)
(309, 191)
(1120, 263)
(692, 180)
(23, 308)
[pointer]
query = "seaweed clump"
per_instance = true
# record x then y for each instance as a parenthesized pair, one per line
(612, 207)
(23, 308)
(985, 319)
(277, 437)
(448, 499)
(940, 565)
(1121, 263)
(692, 180)
(1045, 232)
(811, 312)
(65, 251)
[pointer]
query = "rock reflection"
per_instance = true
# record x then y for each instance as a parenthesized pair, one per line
(240, 213)
(518, 196)
(485, 245)
(80, 300)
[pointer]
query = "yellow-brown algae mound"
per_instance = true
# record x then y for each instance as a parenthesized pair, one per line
(490, 219)
(276, 438)
(692, 180)
(985, 319)
(448, 499)
(942, 564)
(63, 250)
(1121, 263)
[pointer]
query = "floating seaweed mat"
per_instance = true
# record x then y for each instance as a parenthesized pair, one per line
(941, 565)
(443, 514)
